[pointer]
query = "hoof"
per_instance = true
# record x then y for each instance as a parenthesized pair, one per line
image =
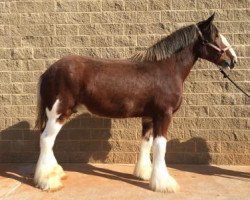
(60, 172)
(64, 176)
(51, 184)
(50, 180)
(164, 184)
(143, 172)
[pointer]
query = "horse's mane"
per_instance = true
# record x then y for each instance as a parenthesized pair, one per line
(168, 45)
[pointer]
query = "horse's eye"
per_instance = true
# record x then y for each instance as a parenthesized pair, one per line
(205, 41)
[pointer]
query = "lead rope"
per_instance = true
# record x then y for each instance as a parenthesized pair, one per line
(225, 75)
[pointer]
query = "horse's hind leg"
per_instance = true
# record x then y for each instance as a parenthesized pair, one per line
(143, 166)
(160, 179)
(48, 172)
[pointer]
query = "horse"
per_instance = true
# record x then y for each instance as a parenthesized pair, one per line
(148, 85)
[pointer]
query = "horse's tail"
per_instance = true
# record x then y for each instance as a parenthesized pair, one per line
(41, 112)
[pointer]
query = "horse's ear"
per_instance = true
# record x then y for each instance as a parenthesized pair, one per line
(207, 22)
(211, 18)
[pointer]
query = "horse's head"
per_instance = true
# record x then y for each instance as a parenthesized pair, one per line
(213, 46)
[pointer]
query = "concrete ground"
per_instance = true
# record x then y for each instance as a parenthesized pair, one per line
(93, 182)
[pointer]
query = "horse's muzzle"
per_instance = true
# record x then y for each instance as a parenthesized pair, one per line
(228, 63)
(233, 63)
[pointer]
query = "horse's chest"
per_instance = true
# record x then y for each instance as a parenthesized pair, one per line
(167, 97)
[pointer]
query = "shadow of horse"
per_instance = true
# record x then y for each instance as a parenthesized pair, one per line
(192, 151)
(83, 139)
(82, 131)
(212, 170)
(193, 156)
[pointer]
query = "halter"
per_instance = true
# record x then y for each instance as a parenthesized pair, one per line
(221, 51)
(205, 42)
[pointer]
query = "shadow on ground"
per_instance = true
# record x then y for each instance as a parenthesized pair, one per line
(94, 170)
(85, 139)
(24, 172)
(213, 171)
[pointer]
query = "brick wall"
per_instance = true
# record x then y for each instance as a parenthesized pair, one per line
(211, 127)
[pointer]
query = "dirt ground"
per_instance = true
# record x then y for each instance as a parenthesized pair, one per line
(113, 181)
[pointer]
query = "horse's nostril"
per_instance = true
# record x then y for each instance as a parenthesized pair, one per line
(234, 60)
(232, 64)
(227, 63)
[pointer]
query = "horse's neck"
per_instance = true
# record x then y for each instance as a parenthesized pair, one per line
(185, 60)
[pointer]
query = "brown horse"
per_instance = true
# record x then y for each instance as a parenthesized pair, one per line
(148, 85)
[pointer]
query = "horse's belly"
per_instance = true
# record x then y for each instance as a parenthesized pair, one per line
(115, 109)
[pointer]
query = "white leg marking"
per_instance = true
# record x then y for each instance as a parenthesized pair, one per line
(143, 167)
(48, 173)
(226, 43)
(160, 180)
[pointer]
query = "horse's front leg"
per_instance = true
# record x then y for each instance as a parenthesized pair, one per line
(143, 167)
(160, 179)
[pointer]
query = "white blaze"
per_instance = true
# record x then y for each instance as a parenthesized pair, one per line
(226, 43)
